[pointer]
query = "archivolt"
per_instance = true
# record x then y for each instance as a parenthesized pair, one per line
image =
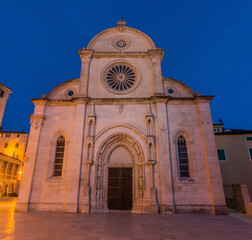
(117, 139)
(141, 134)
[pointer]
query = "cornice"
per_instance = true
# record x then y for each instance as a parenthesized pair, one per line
(153, 99)
(37, 116)
(204, 98)
(6, 88)
(39, 101)
(123, 54)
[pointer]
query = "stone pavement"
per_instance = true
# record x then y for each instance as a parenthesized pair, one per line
(119, 225)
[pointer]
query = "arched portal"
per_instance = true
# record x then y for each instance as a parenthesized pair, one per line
(119, 156)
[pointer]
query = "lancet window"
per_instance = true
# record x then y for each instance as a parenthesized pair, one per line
(59, 156)
(183, 157)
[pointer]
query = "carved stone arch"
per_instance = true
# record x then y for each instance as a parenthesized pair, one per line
(128, 126)
(117, 145)
(102, 164)
(57, 133)
(184, 133)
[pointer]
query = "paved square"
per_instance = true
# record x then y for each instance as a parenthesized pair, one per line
(118, 225)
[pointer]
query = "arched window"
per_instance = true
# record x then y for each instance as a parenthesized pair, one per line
(183, 157)
(59, 156)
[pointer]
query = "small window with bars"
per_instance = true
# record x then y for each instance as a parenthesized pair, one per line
(183, 157)
(59, 156)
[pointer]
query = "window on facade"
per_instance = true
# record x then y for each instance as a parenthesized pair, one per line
(17, 145)
(1, 93)
(7, 135)
(3, 166)
(5, 145)
(183, 157)
(59, 156)
(221, 154)
(15, 170)
(250, 153)
(249, 139)
(18, 136)
(9, 169)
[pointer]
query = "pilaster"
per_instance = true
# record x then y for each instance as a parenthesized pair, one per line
(164, 156)
(156, 58)
(74, 180)
(85, 56)
(217, 199)
(31, 157)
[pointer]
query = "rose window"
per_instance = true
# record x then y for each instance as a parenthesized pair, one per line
(120, 78)
(121, 43)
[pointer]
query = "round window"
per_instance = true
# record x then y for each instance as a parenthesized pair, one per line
(170, 91)
(120, 78)
(121, 42)
(70, 93)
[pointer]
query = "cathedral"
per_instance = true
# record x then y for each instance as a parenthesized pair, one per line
(122, 137)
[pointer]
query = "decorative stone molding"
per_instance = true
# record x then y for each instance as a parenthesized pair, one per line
(141, 134)
(121, 24)
(120, 108)
(163, 129)
(103, 164)
(156, 55)
(36, 121)
(85, 54)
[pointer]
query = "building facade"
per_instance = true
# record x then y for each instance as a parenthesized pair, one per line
(12, 152)
(10, 175)
(234, 148)
(122, 137)
(4, 95)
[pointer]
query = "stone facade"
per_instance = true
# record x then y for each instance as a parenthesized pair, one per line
(121, 113)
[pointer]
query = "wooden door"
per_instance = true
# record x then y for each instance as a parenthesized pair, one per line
(120, 189)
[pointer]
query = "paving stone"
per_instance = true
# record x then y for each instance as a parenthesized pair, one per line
(120, 225)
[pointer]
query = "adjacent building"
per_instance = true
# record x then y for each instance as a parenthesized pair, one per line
(235, 156)
(12, 152)
(4, 95)
(122, 137)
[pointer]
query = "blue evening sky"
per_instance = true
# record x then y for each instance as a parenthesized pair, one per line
(207, 46)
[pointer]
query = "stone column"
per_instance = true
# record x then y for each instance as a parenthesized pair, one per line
(74, 179)
(156, 58)
(31, 157)
(217, 199)
(85, 56)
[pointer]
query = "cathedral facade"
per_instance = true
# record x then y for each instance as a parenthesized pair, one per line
(122, 137)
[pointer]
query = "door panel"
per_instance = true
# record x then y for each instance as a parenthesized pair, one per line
(120, 189)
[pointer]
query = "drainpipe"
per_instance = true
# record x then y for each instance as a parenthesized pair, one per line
(169, 143)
